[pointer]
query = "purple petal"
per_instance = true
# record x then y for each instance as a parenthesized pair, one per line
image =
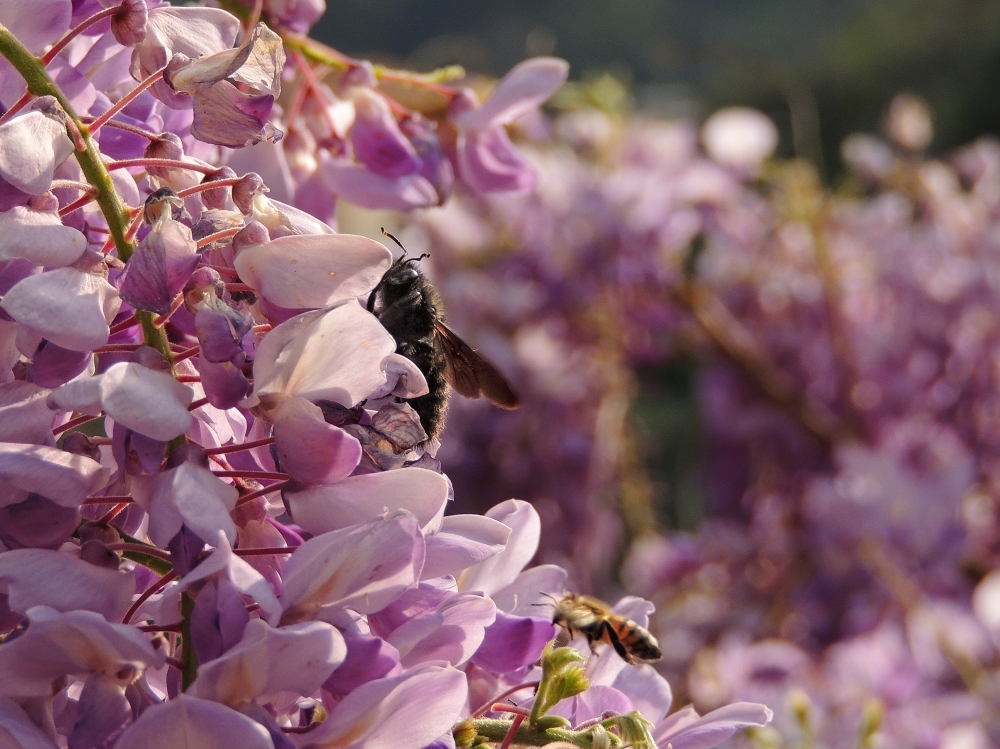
(451, 632)
(368, 658)
(378, 142)
(25, 734)
(224, 383)
(37, 523)
(216, 336)
(102, 712)
(64, 478)
(405, 712)
(52, 365)
(39, 237)
(501, 570)
(593, 704)
(194, 496)
(356, 184)
(462, 541)
(523, 89)
(685, 730)
(33, 146)
(219, 618)
(649, 692)
(40, 577)
(225, 116)
(24, 415)
(313, 271)
(160, 267)
(513, 642)
(190, 722)
(488, 162)
(311, 450)
(358, 499)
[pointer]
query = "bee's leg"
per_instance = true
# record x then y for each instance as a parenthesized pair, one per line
(616, 643)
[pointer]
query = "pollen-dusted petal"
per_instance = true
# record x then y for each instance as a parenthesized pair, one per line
(405, 712)
(70, 307)
(297, 658)
(358, 499)
(31, 147)
(364, 567)
(357, 184)
(313, 271)
(160, 267)
(77, 642)
(63, 477)
(39, 237)
(488, 162)
(187, 722)
(194, 496)
(41, 577)
(462, 541)
(378, 142)
(523, 89)
(335, 354)
(149, 402)
(311, 450)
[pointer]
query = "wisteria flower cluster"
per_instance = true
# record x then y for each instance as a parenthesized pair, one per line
(846, 571)
(221, 523)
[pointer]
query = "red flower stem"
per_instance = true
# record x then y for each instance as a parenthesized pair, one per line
(164, 164)
(73, 423)
(252, 475)
(187, 378)
(502, 696)
(151, 590)
(116, 347)
(240, 287)
(75, 205)
(258, 8)
(118, 124)
(296, 106)
(161, 628)
(264, 551)
(197, 404)
(238, 448)
(314, 86)
(228, 182)
(76, 31)
(125, 101)
(174, 306)
(17, 106)
(259, 493)
(114, 512)
(108, 500)
(187, 354)
(175, 662)
(515, 724)
(125, 324)
(218, 235)
(500, 707)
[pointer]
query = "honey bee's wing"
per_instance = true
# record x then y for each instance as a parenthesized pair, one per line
(469, 373)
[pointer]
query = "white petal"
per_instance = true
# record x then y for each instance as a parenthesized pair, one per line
(39, 237)
(190, 723)
(150, 402)
(33, 146)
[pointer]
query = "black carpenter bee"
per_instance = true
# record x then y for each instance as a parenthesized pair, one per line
(411, 310)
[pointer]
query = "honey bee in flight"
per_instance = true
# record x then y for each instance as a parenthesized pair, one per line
(595, 620)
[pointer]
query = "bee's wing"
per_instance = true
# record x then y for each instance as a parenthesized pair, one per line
(469, 373)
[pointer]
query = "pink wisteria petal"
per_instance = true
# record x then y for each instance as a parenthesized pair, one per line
(39, 237)
(513, 642)
(311, 450)
(224, 563)
(40, 577)
(226, 116)
(593, 703)
(649, 692)
(357, 184)
(685, 730)
(313, 271)
(160, 267)
(62, 477)
(257, 62)
(451, 632)
(461, 542)
(77, 643)
(403, 712)
(488, 162)
(16, 727)
(501, 570)
(359, 499)
(364, 567)
(298, 658)
(33, 146)
(24, 414)
(145, 400)
(334, 354)
(70, 307)
(526, 87)
(190, 723)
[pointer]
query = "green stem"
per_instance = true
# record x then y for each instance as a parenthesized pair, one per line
(189, 659)
(115, 212)
(496, 730)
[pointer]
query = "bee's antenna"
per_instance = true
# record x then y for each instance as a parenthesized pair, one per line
(555, 601)
(399, 244)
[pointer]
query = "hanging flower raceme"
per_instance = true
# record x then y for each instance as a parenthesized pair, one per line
(220, 523)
